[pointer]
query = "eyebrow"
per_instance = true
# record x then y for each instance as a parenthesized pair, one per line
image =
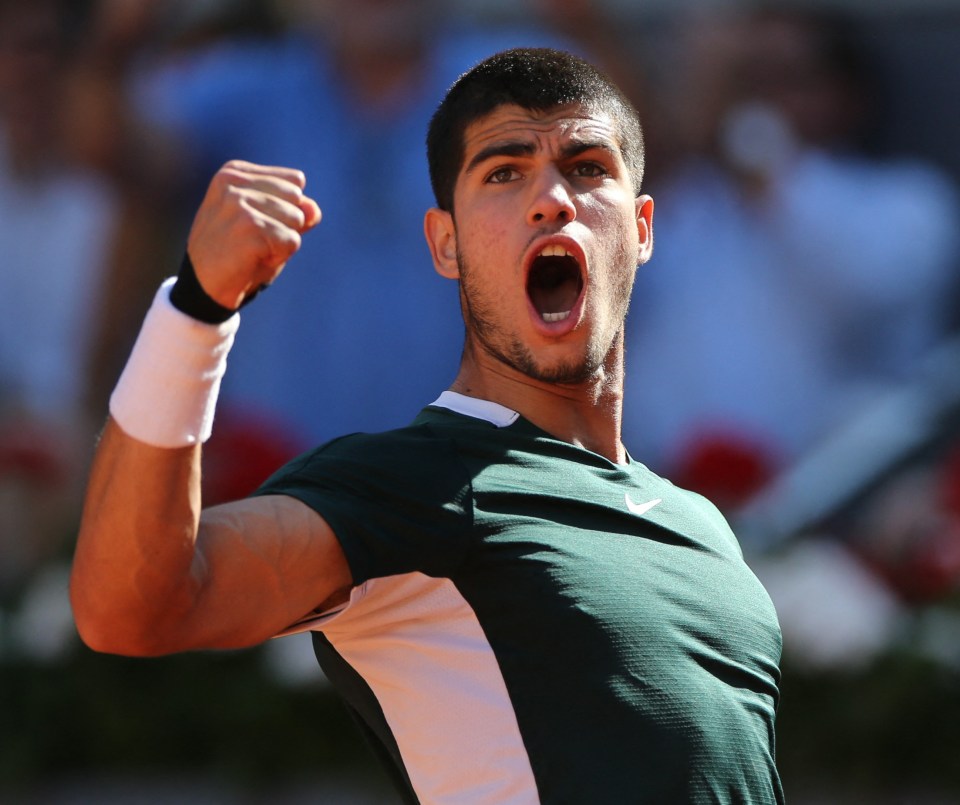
(519, 148)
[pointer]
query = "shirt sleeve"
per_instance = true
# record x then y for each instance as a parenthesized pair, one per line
(398, 502)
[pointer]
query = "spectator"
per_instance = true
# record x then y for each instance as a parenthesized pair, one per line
(345, 97)
(56, 222)
(794, 275)
(124, 38)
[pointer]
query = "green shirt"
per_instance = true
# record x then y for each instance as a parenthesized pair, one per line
(533, 623)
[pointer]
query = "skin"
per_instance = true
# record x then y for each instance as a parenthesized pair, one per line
(154, 574)
(532, 179)
(151, 575)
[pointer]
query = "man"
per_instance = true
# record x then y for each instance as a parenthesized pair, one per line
(516, 610)
(345, 95)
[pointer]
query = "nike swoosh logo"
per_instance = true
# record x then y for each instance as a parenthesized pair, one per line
(640, 509)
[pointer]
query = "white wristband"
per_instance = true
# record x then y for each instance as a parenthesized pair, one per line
(168, 390)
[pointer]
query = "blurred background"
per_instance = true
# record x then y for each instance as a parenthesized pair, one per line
(793, 345)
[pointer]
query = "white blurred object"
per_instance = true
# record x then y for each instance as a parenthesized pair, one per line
(881, 435)
(42, 628)
(757, 138)
(834, 613)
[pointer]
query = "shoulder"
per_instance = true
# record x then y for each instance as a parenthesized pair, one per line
(692, 514)
(418, 449)
(411, 469)
(397, 501)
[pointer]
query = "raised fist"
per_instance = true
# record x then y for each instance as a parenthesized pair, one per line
(248, 226)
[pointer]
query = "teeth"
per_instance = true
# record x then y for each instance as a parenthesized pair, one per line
(555, 316)
(554, 250)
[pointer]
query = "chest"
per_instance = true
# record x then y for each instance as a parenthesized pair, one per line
(658, 590)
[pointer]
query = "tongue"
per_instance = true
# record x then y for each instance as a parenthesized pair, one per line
(557, 299)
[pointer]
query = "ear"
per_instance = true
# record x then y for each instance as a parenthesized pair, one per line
(644, 207)
(441, 234)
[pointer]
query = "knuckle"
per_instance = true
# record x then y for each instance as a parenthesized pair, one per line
(229, 176)
(286, 242)
(245, 214)
(222, 182)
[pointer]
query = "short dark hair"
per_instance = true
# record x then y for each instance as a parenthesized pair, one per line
(536, 79)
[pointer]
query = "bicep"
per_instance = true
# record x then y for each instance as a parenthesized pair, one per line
(261, 564)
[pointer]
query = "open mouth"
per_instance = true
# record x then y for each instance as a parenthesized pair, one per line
(554, 283)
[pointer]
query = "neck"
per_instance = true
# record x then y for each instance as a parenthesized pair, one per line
(587, 414)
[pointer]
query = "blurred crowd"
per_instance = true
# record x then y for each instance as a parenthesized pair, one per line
(802, 276)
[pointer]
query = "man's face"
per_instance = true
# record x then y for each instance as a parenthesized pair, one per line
(546, 238)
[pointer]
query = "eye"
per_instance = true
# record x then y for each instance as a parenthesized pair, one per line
(590, 170)
(502, 175)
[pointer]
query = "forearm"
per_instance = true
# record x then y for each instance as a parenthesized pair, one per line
(148, 577)
(133, 568)
(134, 564)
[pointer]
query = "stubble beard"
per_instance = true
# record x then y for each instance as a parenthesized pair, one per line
(481, 324)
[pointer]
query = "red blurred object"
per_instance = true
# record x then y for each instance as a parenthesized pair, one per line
(910, 532)
(728, 468)
(933, 569)
(950, 482)
(927, 570)
(244, 450)
(28, 449)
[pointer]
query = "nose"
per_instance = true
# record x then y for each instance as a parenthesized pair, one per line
(552, 200)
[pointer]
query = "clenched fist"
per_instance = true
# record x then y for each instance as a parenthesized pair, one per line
(249, 224)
